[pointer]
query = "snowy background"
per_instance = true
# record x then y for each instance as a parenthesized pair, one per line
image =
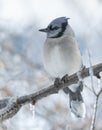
(21, 67)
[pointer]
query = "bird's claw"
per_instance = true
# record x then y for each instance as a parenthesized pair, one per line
(65, 78)
(58, 82)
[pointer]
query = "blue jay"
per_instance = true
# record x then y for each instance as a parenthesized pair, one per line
(61, 56)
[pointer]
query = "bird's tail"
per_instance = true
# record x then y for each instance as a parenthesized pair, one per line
(76, 101)
(77, 104)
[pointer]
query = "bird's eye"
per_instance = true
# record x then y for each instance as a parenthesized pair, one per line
(53, 28)
(56, 27)
(50, 27)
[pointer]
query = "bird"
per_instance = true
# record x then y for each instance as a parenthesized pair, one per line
(61, 56)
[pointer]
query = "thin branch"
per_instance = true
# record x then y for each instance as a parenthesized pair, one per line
(8, 107)
(88, 88)
(94, 92)
(91, 72)
(97, 95)
(95, 110)
(94, 114)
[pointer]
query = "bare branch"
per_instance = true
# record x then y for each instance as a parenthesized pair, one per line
(97, 95)
(94, 114)
(9, 108)
(91, 72)
(95, 110)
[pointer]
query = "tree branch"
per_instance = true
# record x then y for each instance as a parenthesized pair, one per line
(97, 95)
(10, 106)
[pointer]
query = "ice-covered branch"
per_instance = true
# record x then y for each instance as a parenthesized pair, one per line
(10, 106)
(97, 95)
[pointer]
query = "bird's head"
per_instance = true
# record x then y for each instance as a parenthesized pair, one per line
(56, 28)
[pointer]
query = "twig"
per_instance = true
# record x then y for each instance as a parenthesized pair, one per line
(88, 88)
(95, 110)
(91, 72)
(8, 107)
(94, 114)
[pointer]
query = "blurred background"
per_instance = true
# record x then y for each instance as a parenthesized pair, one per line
(21, 67)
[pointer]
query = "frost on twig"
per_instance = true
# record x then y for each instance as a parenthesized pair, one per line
(91, 72)
(10, 106)
(95, 109)
(96, 94)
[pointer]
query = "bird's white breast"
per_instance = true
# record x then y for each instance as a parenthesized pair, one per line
(61, 56)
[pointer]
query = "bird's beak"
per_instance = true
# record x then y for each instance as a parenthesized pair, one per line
(67, 18)
(43, 30)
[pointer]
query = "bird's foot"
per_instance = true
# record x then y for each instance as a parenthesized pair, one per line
(58, 82)
(65, 78)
